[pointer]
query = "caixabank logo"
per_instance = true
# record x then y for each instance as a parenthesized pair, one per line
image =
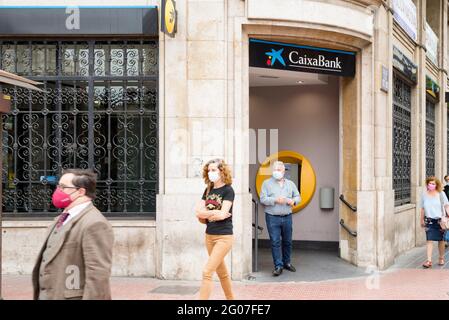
(274, 56)
(285, 56)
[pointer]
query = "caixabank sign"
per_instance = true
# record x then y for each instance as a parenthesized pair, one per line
(285, 56)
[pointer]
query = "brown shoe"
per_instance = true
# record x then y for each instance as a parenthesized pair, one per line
(427, 264)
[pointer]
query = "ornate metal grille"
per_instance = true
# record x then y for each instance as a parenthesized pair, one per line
(430, 139)
(401, 141)
(99, 111)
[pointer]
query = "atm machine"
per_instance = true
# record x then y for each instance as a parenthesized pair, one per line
(293, 172)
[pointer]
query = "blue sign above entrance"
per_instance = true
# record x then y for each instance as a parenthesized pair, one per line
(285, 56)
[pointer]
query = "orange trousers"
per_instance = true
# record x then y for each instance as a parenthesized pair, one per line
(218, 247)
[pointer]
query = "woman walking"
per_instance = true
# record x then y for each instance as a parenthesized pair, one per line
(434, 204)
(215, 210)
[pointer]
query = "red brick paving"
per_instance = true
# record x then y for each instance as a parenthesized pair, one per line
(408, 284)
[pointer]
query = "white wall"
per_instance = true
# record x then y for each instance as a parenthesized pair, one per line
(314, 12)
(133, 253)
(308, 121)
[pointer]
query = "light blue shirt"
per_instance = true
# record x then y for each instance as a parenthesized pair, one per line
(432, 205)
(271, 190)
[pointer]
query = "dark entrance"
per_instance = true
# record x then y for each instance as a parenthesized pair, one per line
(99, 111)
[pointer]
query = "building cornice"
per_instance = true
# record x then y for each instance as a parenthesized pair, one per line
(366, 3)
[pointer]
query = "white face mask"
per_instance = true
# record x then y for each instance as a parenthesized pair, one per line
(278, 175)
(214, 176)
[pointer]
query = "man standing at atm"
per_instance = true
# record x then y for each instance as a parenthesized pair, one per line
(278, 196)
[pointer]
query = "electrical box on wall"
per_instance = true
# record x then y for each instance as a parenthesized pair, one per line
(326, 198)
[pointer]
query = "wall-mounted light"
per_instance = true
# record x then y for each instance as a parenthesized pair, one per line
(299, 82)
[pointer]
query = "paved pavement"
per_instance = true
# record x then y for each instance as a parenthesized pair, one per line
(319, 276)
(311, 265)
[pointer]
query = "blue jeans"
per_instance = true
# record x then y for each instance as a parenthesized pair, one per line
(280, 227)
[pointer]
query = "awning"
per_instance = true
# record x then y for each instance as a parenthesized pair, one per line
(432, 87)
(15, 80)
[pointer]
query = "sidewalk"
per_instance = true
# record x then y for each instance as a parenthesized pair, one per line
(405, 280)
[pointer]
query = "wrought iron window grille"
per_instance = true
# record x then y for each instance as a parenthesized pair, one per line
(99, 111)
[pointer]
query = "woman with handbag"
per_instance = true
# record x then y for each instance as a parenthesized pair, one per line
(434, 204)
(215, 210)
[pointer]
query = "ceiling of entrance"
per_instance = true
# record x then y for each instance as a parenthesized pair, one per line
(263, 77)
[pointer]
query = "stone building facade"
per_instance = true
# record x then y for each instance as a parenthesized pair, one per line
(203, 113)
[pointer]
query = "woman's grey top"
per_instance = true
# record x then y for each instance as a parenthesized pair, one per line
(432, 205)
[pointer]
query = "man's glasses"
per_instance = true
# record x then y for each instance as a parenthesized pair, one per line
(61, 186)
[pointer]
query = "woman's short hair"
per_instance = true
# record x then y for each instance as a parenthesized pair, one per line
(222, 166)
(437, 182)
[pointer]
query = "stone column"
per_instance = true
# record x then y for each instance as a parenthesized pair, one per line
(366, 195)
(419, 122)
(443, 70)
(440, 8)
(238, 136)
(434, 18)
(384, 219)
(199, 125)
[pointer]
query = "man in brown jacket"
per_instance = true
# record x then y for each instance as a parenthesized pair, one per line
(76, 258)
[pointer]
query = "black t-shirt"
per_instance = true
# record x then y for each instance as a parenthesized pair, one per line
(214, 201)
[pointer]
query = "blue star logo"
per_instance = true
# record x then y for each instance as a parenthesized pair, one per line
(274, 56)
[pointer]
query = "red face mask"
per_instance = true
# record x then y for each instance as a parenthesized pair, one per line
(61, 199)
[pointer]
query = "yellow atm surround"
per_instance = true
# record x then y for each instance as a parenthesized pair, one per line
(307, 175)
